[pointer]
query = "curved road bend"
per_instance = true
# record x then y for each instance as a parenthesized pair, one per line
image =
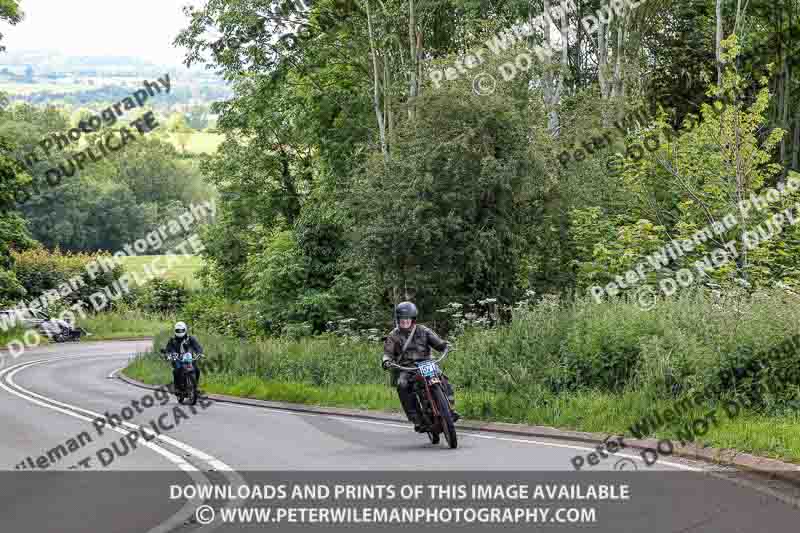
(51, 395)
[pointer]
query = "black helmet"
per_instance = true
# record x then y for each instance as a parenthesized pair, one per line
(406, 310)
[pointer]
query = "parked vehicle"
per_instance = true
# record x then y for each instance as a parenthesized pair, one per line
(57, 329)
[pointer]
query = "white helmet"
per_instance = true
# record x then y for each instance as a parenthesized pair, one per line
(180, 329)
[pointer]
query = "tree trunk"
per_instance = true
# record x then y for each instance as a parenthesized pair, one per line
(602, 71)
(602, 60)
(796, 142)
(618, 88)
(578, 40)
(413, 67)
(387, 97)
(551, 87)
(376, 89)
(719, 43)
(785, 97)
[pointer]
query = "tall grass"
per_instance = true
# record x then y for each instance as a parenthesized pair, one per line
(127, 323)
(18, 334)
(577, 364)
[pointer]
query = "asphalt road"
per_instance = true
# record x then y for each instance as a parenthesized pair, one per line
(119, 481)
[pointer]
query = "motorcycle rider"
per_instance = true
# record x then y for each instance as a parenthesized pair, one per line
(182, 343)
(405, 345)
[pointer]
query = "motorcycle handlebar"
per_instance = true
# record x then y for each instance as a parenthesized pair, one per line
(171, 356)
(437, 361)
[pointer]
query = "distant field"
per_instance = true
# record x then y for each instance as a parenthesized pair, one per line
(184, 269)
(199, 143)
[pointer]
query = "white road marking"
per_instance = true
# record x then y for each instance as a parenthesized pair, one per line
(477, 435)
(11, 371)
(187, 511)
(180, 445)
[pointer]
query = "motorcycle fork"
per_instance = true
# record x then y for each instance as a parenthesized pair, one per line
(429, 396)
(185, 371)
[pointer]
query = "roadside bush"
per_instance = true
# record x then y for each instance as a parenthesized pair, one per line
(11, 290)
(215, 314)
(40, 270)
(162, 296)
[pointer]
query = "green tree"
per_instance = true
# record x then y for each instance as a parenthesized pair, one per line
(13, 228)
(9, 12)
(177, 125)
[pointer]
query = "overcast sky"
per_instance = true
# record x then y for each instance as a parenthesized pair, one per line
(138, 28)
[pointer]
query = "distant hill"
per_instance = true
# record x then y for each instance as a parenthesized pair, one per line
(52, 60)
(51, 77)
(47, 61)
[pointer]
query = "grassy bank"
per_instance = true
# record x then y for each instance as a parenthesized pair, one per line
(776, 436)
(597, 368)
(183, 270)
(118, 325)
(18, 334)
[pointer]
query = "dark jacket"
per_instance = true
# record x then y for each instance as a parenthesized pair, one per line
(185, 344)
(419, 348)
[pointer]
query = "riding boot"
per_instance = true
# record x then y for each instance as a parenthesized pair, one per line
(176, 380)
(409, 403)
(451, 398)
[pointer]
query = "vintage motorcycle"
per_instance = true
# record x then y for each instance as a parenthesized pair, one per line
(186, 388)
(432, 400)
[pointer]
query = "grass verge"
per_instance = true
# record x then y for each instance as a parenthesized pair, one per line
(18, 334)
(767, 436)
(119, 325)
(571, 364)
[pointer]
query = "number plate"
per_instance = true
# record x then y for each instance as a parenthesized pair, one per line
(428, 369)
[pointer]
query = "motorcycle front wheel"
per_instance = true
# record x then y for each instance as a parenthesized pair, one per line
(191, 389)
(446, 416)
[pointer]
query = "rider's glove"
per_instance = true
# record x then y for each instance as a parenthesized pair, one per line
(386, 364)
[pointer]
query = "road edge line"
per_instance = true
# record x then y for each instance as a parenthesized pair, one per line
(770, 468)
